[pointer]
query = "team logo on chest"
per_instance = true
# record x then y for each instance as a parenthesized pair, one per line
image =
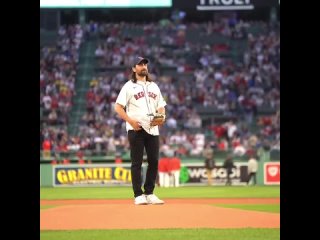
(138, 95)
(152, 95)
(141, 94)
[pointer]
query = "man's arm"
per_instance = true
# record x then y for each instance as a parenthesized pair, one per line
(120, 111)
(160, 117)
(161, 110)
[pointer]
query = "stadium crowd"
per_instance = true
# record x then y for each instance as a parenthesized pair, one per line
(201, 77)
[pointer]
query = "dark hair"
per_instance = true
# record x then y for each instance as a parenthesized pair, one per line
(134, 77)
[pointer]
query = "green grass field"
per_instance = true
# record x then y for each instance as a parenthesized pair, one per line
(182, 192)
(165, 234)
(273, 208)
(47, 206)
(168, 234)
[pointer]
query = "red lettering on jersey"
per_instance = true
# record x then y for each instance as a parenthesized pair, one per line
(152, 95)
(138, 95)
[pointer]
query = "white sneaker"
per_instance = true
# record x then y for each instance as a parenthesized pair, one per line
(140, 200)
(153, 199)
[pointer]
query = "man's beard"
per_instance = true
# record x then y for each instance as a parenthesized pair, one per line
(143, 73)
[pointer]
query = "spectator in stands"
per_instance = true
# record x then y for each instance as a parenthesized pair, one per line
(80, 157)
(215, 81)
(239, 150)
(171, 123)
(118, 158)
(223, 145)
(231, 129)
(46, 148)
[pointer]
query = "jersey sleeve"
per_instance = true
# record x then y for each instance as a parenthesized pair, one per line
(122, 98)
(161, 101)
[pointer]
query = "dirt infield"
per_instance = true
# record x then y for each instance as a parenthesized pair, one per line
(175, 213)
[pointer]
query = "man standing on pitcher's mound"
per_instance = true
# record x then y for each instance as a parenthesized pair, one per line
(138, 102)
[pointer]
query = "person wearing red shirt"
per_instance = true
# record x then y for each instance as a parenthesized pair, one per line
(46, 147)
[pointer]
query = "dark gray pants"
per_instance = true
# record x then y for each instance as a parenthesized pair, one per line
(252, 175)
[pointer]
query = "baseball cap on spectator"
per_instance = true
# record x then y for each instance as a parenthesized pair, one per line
(139, 60)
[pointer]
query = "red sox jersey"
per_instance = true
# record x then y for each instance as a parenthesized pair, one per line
(141, 99)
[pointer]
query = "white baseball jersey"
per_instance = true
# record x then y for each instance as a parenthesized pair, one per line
(252, 165)
(141, 99)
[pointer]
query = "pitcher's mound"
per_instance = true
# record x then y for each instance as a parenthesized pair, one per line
(173, 215)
